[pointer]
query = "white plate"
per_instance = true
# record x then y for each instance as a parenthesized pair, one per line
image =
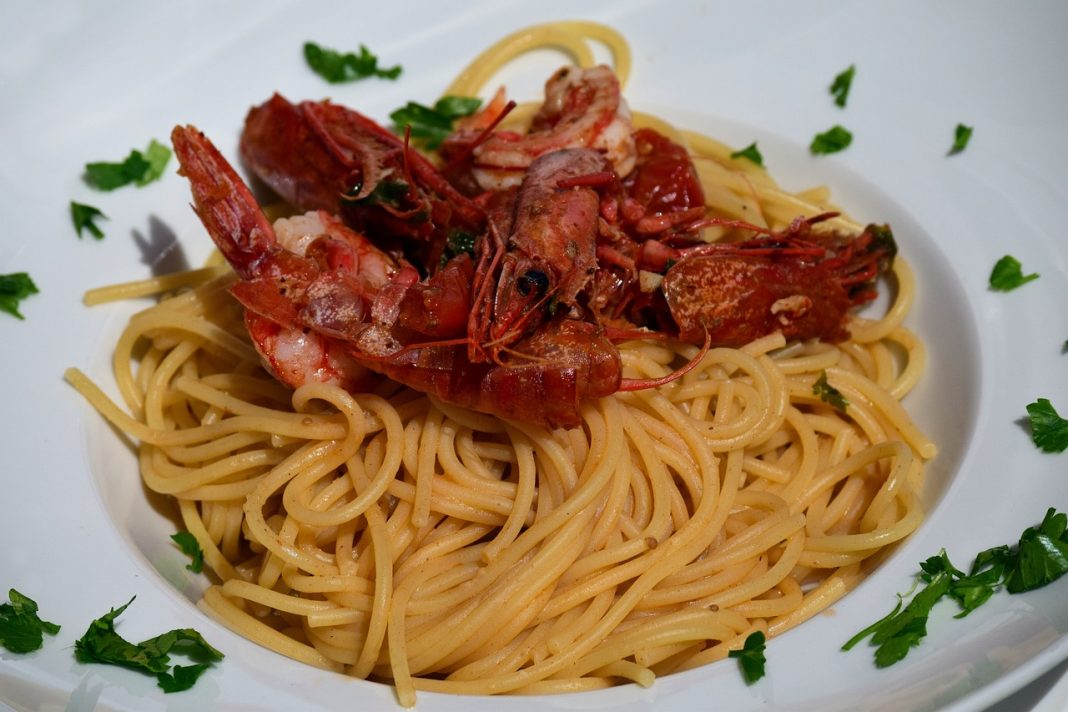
(80, 84)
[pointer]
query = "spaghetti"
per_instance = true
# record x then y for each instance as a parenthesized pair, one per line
(391, 536)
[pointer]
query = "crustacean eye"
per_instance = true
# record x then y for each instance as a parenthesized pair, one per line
(534, 281)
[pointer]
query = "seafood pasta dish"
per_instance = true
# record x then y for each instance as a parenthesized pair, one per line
(575, 399)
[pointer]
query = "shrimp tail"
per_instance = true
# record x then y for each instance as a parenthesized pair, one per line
(224, 203)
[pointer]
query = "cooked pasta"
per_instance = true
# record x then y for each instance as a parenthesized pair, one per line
(392, 536)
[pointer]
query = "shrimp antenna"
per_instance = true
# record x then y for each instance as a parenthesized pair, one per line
(639, 384)
(408, 164)
(480, 139)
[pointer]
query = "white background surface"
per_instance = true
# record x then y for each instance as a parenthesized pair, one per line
(81, 82)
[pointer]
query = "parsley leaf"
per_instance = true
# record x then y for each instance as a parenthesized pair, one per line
(109, 176)
(828, 393)
(840, 87)
(189, 546)
(1049, 430)
(139, 168)
(388, 193)
(83, 217)
(752, 153)
(460, 242)
(1040, 557)
(335, 67)
(21, 630)
(434, 124)
(877, 625)
(909, 626)
(101, 644)
(832, 140)
(1008, 275)
(751, 657)
(157, 155)
(181, 677)
(13, 289)
(961, 135)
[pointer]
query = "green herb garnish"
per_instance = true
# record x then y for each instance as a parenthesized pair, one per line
(750, 152)
(883, 238)
(832, 140)
(189, 546)
(388, 192)
(1040, 557)
(335, 67)
(21, 630)
(139, 168)
(83, 217)
(840, 86)
(828, 393)
(1008, 275)
(13, 289)
(751, 657)
(432, 125)
(877, 625)
(906, 628)
(101, 644)
(961, 135)
(459, 243)
(1049, 430)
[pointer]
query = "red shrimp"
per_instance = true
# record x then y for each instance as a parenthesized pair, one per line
(653, 270)
(324, 156)
(796, 281)
(549, 255)
(362, 316)
(583, 108)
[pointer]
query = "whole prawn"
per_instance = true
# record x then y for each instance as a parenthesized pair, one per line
(324, 290)
(583, 108)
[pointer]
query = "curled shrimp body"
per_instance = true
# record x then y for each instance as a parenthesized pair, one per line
(583, 109)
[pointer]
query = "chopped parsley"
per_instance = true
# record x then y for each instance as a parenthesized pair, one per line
(433, 124)
(1008, 275)
(1049, 430)
(189, 546)
(13, 289)
(138, 168)
(898, 632)
(1040, 557)
(101, 644)
(389, 192)
(21, 630)
(752, 153)
(828, 393)
(961, 135)
(832, 140)
(336, 67)
(83, 217)
(459, 243)
(840, 86)
(883, 238)
(751, 657)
